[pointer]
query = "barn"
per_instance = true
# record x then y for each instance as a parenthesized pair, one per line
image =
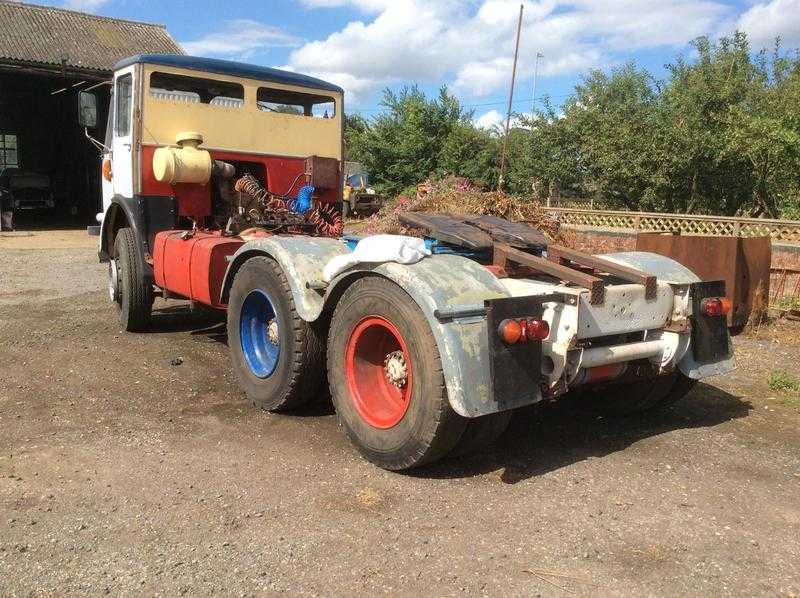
(49, 169)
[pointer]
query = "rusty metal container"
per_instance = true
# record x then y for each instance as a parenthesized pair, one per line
(742, 262)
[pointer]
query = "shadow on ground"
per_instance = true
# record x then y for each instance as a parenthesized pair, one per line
(180, 317)
(543, 438)
(540, 438)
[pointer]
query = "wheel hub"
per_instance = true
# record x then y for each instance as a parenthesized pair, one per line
(395, 369)
(380, 373)
(113, 280)
(272, 332)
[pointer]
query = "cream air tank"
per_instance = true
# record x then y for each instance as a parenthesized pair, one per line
(187, 163)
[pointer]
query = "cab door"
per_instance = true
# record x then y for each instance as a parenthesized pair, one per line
(122, 144)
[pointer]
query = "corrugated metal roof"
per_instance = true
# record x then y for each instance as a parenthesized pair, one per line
(40, 34)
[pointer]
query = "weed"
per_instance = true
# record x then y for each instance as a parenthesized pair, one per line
(783, 381)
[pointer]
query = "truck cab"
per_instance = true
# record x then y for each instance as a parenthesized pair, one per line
(271, 124)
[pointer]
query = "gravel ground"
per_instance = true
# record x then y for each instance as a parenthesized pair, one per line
(126, 470)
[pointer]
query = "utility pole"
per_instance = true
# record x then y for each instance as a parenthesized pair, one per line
(535, 76)
(501, 181)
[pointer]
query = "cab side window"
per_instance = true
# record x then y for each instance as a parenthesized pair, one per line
(297, 103)
(196, 90)
(122, 112)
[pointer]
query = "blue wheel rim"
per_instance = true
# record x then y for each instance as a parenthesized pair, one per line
(260, 354)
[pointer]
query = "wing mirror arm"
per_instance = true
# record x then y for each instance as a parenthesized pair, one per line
(99, 145)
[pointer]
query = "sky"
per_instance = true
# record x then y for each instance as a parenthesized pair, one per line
(368, 45)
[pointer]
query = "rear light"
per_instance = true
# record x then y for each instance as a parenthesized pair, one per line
(538, 329)
(716, 306)
(522, 330)
(510, 331)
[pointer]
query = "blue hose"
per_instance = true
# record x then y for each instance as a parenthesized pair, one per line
(302, 204)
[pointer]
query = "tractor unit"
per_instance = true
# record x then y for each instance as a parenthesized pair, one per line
(222, 185)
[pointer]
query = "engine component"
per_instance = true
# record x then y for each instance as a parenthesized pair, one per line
(249, 185)
(326, 220)
(187, 163)
(303, 202)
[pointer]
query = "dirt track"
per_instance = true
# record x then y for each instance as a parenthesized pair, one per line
(121, 472)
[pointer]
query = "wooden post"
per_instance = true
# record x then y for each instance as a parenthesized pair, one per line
(501, 181)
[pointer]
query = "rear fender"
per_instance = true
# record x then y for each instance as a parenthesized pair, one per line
(443, 282)
(302, 259)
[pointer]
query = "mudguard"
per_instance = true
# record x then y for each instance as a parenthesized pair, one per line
(302, 259)
(438, 282)
(669, 270)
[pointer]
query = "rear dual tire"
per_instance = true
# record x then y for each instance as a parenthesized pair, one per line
(383, 366)
(641, 396)
(277, 357)
(397, 421)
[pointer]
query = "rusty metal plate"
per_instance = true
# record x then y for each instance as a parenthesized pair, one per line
(743, 263)
(323, 172)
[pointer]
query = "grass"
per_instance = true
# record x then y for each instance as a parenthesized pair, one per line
(783, 381)
(787, 385)
(788, 303)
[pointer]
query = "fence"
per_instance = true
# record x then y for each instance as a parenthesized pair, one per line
(690, 224)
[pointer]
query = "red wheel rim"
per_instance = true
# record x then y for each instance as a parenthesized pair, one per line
(378, 401)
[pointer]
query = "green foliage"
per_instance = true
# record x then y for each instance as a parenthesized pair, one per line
(720, 135)
(411, 140)
(782, 380)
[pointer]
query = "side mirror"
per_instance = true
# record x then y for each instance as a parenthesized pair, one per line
(87, 109)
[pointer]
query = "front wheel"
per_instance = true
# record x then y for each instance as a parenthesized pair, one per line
(128, 287)
(386, 378)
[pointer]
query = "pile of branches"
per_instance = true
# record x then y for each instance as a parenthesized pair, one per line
(457, 196)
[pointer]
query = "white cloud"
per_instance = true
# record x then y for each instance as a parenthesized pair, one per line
(240, 38)
(496, 120)
(765, 21)
(84, 5)
(470, 44)
(490, 120)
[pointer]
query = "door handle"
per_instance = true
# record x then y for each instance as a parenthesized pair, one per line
(127, 145)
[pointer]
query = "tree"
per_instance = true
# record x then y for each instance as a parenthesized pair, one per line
(765, 129)
(403, 145)
(471, 153)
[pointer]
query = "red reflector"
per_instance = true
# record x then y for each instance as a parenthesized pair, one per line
(716, 306)
(510, 331)
(538, 329)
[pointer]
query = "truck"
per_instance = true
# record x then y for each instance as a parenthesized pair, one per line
(222, 184)
(358, 198)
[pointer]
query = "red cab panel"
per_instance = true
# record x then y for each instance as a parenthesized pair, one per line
(193, 267)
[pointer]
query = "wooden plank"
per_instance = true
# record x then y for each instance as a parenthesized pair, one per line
(515, 234)
(564, 255)
(596, 286)
(447, 229)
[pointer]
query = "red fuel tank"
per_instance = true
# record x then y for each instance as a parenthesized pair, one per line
(193, 265)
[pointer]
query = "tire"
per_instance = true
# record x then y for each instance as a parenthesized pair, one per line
(399, 426)
(133, 294)
(481, 432)
(281, 375)
(642, 395)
